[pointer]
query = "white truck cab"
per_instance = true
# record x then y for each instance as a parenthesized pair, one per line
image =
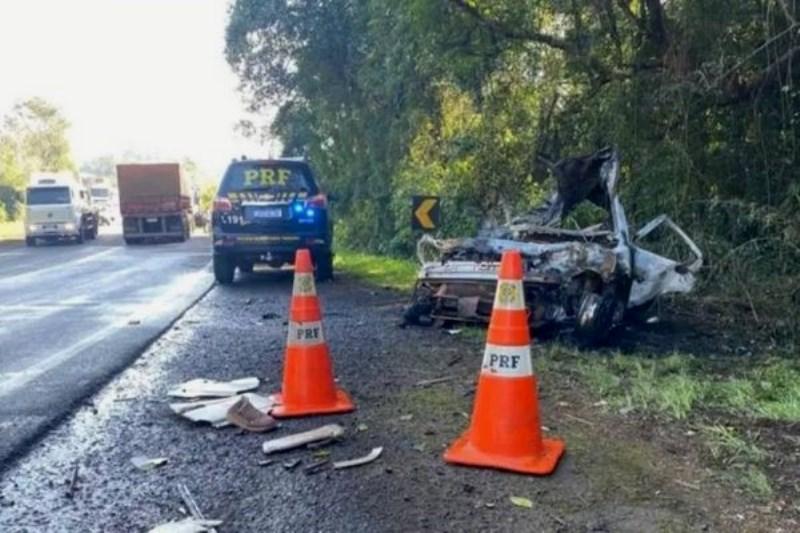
(58, 207)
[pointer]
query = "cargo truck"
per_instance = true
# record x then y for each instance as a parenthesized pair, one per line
(155, 202)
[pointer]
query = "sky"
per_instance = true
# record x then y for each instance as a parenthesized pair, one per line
(142, 75)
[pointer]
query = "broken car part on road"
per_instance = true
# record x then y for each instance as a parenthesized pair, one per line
(331, 431)
(198, 388)
(588, 278)
(215, 411)
(358, 461)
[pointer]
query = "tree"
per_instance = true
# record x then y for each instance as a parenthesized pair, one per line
(33, 137)
(458, 96)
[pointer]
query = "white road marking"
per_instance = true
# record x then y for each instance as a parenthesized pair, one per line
(33, 274)
(15, 380)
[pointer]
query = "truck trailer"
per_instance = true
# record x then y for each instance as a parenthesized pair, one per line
(155, 202)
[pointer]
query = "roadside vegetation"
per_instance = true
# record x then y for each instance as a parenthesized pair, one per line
(377, 270)
(11, 230)
(457, 98)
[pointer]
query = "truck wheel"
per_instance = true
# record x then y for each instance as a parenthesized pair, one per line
(81, 235)
(224, 270)
(324, 265)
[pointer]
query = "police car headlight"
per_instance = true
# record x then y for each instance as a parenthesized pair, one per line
(69, 226)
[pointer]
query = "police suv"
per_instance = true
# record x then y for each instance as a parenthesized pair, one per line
(265, 210)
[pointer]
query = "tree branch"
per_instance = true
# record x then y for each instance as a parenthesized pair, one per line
(511, 33)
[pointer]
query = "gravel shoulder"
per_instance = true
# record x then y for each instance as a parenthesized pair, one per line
(617, 475)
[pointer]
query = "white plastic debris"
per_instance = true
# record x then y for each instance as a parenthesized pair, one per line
(199, 388)
(214, 411)
(148, 463)
(187, 525)
(331, 431)
(371, 456)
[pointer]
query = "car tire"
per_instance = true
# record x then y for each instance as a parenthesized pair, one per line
(246, 268)
(324, 270)
(595, 318)
(224, 270)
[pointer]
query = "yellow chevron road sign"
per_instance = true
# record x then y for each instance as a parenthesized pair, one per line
(425, 212)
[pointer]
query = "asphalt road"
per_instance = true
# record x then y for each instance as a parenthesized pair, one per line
(71, 316)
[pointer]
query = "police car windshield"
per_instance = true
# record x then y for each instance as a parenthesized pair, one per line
(268, 176)
(48, 195)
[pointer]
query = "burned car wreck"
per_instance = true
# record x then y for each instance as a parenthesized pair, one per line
(589, 279)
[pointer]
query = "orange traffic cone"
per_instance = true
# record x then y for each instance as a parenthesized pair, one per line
(308, 386)
(505, 432)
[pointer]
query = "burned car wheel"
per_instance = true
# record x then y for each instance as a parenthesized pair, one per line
(595, 318)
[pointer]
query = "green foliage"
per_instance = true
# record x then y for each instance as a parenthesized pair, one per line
(680, 384)
(377, 270)
(456, 97)
(33, 137)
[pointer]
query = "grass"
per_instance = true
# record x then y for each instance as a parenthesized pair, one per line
(378, 270)
(679, 384)
(682, 386)
(11, 231)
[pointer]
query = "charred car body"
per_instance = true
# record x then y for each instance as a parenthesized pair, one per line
(588, 278)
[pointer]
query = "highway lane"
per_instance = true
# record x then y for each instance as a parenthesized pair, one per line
(71, 316)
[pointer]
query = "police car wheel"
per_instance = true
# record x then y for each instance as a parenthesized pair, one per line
(324, 265)
(224, 270)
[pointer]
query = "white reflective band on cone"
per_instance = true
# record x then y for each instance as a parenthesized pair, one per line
(509, 295)
(305, 333)
(507, 361)
(303, 285)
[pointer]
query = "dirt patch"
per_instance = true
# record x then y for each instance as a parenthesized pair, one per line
(620, 473)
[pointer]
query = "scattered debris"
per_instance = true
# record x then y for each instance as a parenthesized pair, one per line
(435, 381)
(362, 427)
(321, 454)
(198, 388)
(371, 456)
(134, 322)
(247, 416)
(215, 412)
(453, 331)
(587, 278)
(318, 444)
(330, 431)
(578, 419)
(693, 486)
(194, 510)
(73, 482)
(455, 360)
(519, 501)
(145, 463)
(266, 462)
(316, 467)
(406, 418)
(249, 301)
(291, 464)
(187, 525)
